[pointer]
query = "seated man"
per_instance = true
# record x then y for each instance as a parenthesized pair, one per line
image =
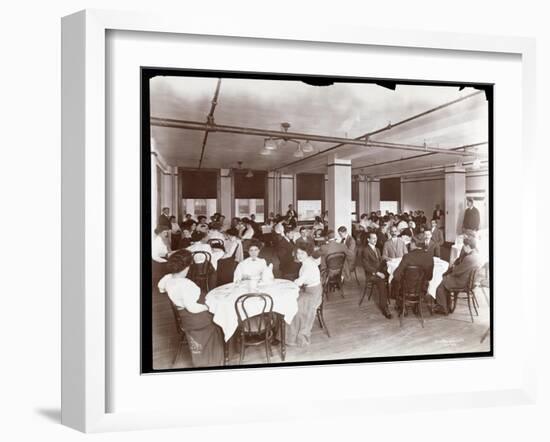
(394, 247)
(332, 246)
(304, 240)
(456, 278)
(430, 245)
(284, 248)
(374, 267)
(418, 256)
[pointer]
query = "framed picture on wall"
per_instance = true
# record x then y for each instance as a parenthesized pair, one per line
(223, 195)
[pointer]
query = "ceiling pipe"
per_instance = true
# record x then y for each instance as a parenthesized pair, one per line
(426, 169)
(400, 160)
(213, 127)
(388, 127)
(210, 119)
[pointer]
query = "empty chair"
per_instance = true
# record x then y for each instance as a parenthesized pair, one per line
(257, 323)
(413, 290)
(334, 267)
(320, 310)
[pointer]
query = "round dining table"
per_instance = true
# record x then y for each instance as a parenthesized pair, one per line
(221, 301)
(440, 267)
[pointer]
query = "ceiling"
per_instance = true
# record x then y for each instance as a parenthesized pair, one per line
(347, 110)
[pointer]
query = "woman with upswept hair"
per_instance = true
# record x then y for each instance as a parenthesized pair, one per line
(204, 337)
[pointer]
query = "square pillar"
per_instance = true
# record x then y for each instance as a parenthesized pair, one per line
(455, 194)
(363, 203)
(373, 187)
(226, 202)
(339, 193)
(273, 186)
(288, 192)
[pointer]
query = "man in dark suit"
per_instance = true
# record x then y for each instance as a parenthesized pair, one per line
(471, 216)
(374, 267)
(382, 235)
(429, 244)
(350, 244)
(437, 234)
(288, 267)
(458, 275)
(416, 257)
(332, 246)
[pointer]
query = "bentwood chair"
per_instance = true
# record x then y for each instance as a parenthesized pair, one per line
(320, 309)
(334, 268)
(216, 243)
(484, 282)
(201, 269)
(255, 328)
(468, 293)
(413, 290)
(182, 342)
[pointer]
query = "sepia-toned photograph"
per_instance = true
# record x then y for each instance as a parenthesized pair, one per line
(303, 220)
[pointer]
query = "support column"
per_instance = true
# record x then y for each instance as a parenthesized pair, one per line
(175, 194)
(373, 186)
(455, 193)
(363, 203)
(273, 183)
(287, 193)
(226, 205)
(339, 193)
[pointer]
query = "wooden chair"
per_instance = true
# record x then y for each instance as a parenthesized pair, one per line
(320, 309)
(334, 267)
(182, 344)
(259, 328)
(216, 243)
(201, 269)
(469, 293)
(484, 282)
(413, 290)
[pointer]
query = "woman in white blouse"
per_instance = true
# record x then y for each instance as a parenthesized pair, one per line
(311, 293)
(252, 267)
(204, 337)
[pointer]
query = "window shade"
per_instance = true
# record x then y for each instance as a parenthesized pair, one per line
(310, 186)
(390, 189)
(253, 187)
(199, 184)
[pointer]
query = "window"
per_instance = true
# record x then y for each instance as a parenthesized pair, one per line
(309, 209)
(199, 206)
(244, 207)
(390, 206)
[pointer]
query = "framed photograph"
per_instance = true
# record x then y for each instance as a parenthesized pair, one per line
(322, 214)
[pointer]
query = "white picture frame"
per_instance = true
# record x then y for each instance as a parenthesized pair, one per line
(85, 202)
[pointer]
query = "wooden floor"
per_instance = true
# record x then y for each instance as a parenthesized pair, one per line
(356, 332)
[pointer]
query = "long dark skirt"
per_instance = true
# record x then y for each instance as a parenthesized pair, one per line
(204, 337)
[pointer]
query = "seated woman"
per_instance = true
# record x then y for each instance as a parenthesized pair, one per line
(311, 292)
(318, 224)
(160, 253)
(204, 337)
(252, 267)
(233, 255)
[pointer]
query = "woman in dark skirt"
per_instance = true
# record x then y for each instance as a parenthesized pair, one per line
(204, 337)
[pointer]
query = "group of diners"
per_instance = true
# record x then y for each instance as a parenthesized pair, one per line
(234, 249)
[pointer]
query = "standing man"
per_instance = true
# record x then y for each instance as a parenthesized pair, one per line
(164, 219)
(374, 266)
(457, 276)
(471, 216)
(437, 235)
(351, 245)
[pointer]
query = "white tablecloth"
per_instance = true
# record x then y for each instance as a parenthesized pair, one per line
(221, 301)
(440, 267)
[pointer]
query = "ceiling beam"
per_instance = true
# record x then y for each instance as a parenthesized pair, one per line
(213, 127)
